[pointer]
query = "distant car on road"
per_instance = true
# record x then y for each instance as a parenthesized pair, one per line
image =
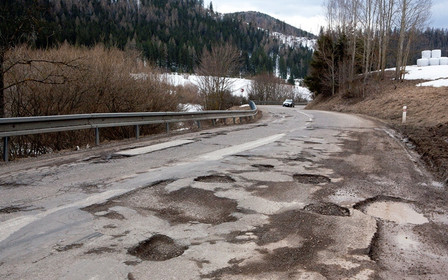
(288, 103)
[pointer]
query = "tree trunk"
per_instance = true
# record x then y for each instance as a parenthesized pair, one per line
(401, 40)
(2, 85)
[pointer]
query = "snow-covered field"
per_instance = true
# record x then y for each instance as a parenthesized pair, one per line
(437, 75)
(239, 86)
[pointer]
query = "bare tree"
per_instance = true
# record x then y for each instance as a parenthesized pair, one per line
(20, 22)
(414, 15)
(216, 70)
(267, 87)
(369, 15)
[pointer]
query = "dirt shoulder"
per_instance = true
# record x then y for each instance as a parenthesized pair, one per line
(426, 127)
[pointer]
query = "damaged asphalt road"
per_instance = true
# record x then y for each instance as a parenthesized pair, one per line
(267, 200)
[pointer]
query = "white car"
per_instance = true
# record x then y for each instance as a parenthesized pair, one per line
(288, 103)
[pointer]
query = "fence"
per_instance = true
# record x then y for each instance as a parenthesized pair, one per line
(46, 124)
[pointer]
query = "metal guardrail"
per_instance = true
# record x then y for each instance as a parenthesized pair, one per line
(46, 124)
(269, 102)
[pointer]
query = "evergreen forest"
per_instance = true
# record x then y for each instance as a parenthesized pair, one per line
(171, 34)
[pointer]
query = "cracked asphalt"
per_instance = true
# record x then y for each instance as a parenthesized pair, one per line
(343, 198)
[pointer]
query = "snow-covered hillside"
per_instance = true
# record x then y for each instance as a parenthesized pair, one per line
(239, 86)
(293, 41)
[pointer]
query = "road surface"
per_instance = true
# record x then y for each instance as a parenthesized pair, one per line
(341, 197)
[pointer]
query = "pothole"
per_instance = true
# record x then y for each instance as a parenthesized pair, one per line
(297, 158)
(192, 204)
(263, 167)
(391, 209)
(16, 208)
(215, 179)
(326, 208)
(185, 205)
(311, 179)
(157, 248)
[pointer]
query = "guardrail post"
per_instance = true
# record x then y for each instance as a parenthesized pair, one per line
(213, 122)
(137, 132)
(5, 149)
(199, 124)
(167, 127)
(234, 120)
(97, 136)
(241, 120)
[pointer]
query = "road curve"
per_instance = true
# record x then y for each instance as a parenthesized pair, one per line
(298, 195)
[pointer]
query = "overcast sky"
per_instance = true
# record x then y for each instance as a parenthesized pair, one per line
(307, 14)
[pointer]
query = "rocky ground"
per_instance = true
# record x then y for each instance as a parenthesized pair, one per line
(426, 127)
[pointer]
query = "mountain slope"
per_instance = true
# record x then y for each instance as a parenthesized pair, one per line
(171, 34)
(272, 24)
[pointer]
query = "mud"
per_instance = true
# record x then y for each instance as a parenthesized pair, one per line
(157, 248)
(326, 208)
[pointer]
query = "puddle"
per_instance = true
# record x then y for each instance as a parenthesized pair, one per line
(157, 248)
(311, 179)
(391, 209)
(399, 212)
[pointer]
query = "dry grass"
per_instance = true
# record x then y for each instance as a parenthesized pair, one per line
(72, 80)
(385, 100)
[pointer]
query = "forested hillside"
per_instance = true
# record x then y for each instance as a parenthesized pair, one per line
(172, 34)
(272, 24)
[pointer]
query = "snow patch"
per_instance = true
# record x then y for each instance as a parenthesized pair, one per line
(240, 87)
(190, 107)
(436, 83)
(426, 73)
(293, 41)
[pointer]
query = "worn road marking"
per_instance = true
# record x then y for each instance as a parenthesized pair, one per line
(153, 148)
(219, 154)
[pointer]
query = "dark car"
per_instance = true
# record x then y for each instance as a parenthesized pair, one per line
(288, 103)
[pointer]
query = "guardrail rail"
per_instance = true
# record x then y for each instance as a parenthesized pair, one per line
(46, 124)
